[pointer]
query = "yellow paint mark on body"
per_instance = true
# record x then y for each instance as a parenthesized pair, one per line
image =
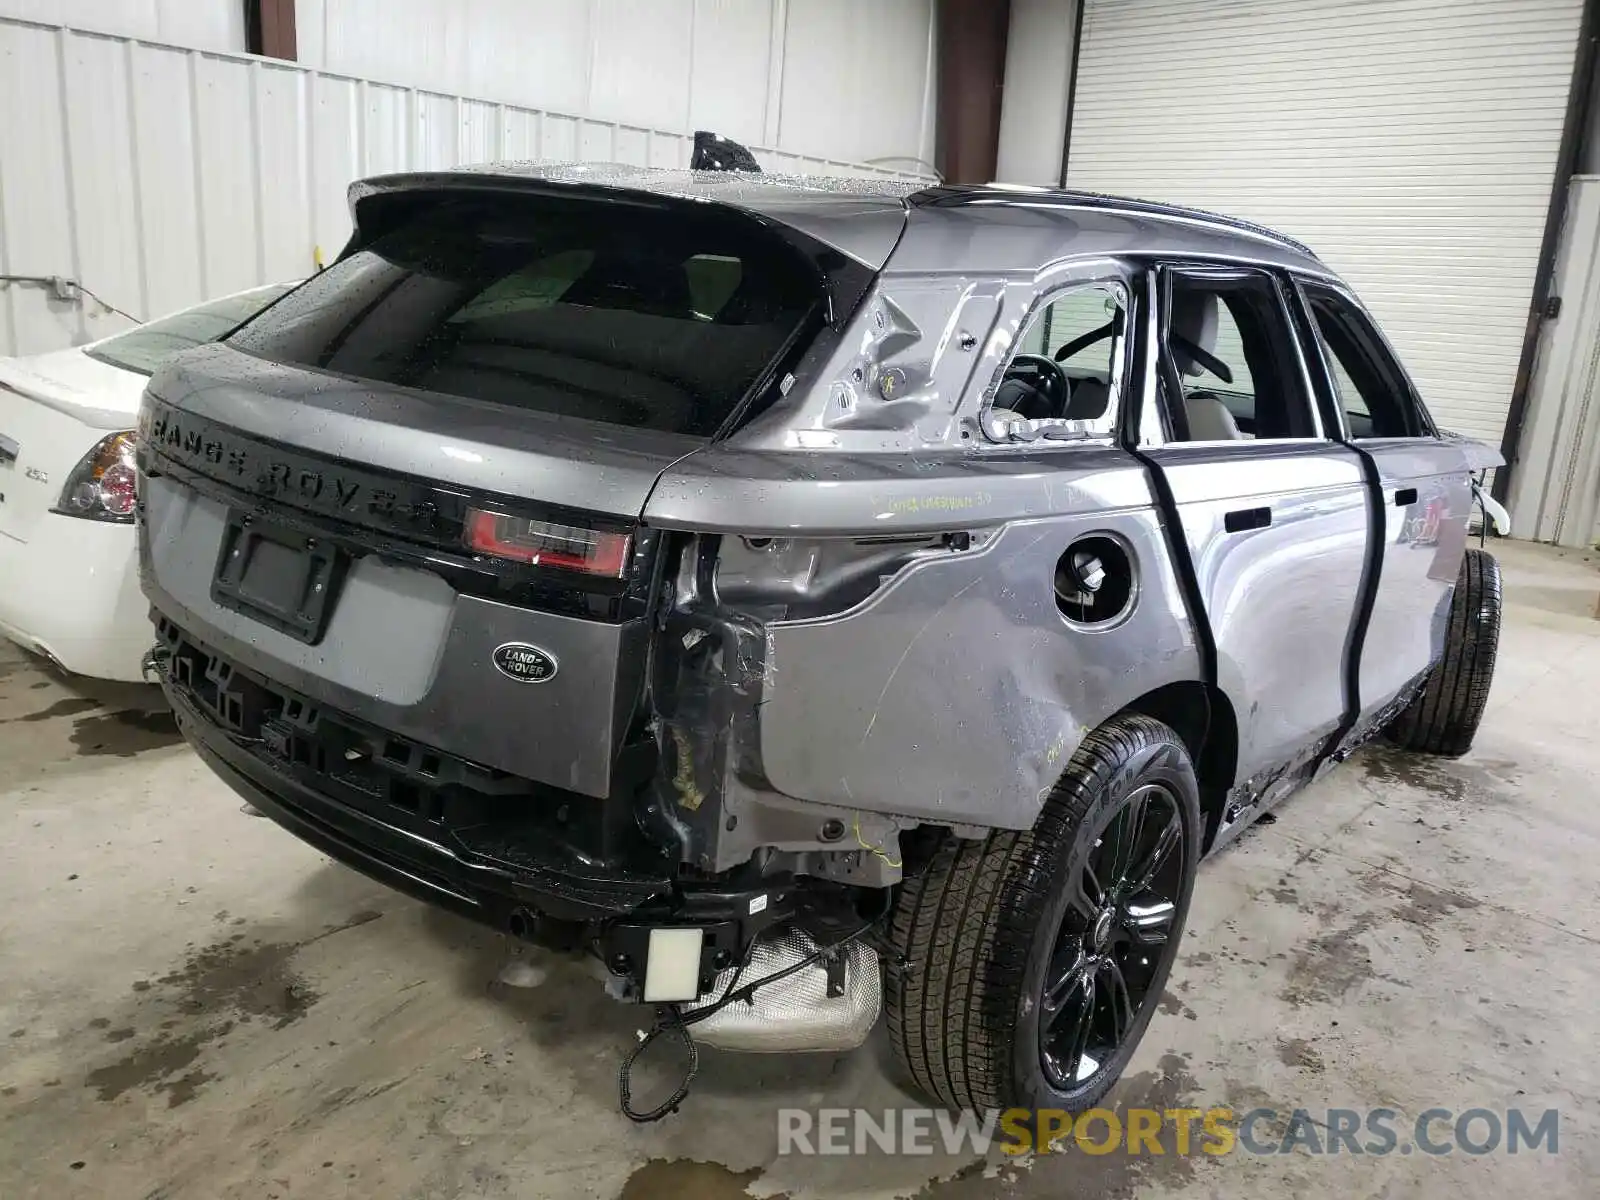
(906, 506)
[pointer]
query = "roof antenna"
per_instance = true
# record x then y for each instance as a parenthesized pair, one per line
(713, 153)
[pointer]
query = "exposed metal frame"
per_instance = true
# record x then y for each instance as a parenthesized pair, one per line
(1123, 281)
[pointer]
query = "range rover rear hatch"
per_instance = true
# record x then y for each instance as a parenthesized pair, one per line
(410, 490)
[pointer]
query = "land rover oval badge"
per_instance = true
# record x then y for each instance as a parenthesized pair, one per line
(525, 663)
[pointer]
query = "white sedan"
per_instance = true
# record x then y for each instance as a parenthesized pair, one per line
(69, 577)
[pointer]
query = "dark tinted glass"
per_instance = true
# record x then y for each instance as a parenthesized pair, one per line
(610, 313)
(1370, 386)
(146, 347)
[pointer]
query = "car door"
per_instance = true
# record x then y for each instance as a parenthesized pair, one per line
(1421, 492)
(1273, 512)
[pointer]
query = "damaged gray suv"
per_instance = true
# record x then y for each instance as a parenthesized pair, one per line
(810, 597)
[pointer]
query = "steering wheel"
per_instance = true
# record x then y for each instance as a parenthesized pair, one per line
(1045, 376)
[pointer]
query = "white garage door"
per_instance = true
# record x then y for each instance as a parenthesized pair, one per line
(1411, 143)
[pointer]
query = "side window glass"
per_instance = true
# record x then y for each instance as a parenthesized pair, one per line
(1065, 379)
(1351, 399)
(1368, 384)
(1229, 355)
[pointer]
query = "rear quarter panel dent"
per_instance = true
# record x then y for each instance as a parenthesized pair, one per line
(959, 693)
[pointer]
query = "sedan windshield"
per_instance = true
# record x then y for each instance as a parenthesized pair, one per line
(146, 347)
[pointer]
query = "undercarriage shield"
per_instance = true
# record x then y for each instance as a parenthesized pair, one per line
(830, 1005)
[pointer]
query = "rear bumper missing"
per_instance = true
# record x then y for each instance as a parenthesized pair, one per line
(478, 841)
(487, 846)
(369, 846)
(467, 881)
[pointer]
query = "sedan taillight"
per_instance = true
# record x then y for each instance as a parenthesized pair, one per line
(101, 486)
(547, 543)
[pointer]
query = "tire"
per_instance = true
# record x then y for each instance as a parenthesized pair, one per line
(982, 925)
(1444, 716)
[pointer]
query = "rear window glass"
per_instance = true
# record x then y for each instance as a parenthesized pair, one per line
(610, 313)
(145, 348)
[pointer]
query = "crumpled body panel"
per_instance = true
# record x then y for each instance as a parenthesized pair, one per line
(958, 693)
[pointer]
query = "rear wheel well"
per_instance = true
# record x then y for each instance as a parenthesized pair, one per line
(1202, 717)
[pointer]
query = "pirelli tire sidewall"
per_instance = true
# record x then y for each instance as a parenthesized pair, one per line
(1112, 763)
(976, 929)
(1443, 718)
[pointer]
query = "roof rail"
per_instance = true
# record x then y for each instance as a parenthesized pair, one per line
(956, 195)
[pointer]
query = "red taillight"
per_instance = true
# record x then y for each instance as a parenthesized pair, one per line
(102, 485)
(119, 489)
(547, 544)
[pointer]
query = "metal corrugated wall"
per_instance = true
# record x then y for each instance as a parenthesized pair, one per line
(159, 176)
(851, 79)
(847, 78)
(204, 24)
(1411, 143)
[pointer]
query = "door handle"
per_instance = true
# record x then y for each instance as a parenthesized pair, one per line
(1247, 518)
(1405, 496)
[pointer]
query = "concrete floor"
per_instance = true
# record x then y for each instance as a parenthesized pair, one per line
(200, 1006)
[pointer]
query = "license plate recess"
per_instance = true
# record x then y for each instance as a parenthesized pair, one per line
(278, 576)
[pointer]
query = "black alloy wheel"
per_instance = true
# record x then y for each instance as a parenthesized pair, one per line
(1113, 938)
(1036, 958)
